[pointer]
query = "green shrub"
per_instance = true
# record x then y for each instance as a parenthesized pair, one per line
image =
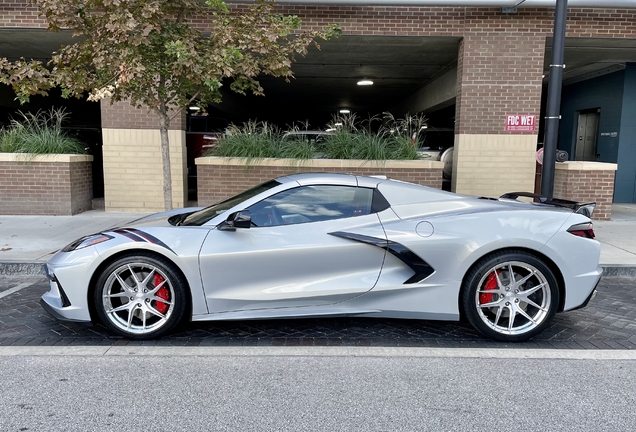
(39, 133)
(296, 149)
(252, 140)
(350, 140)
(357, 140)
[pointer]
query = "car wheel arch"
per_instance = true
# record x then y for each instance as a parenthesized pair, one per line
(132, 252)
(547, 260)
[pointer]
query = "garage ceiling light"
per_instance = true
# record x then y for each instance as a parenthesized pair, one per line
(194, 108)
(344, 111)
(365, 82)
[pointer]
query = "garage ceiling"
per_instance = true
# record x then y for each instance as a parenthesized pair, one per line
(326, 79)
(587, 58)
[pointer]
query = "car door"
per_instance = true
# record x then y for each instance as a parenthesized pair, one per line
(290, 256)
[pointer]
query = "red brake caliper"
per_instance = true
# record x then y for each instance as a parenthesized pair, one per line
(161, 293)
(491, 284)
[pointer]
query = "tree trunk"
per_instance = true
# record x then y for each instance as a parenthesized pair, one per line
(165, 159)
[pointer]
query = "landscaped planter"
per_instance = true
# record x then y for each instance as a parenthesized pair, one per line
(219, 178)
(45, 184)
(587, 182)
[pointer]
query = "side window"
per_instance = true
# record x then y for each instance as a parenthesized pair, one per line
(312, 204)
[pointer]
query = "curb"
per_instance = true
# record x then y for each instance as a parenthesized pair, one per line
(36, 268)
(627, 271)
(22, 268)
(315, 351)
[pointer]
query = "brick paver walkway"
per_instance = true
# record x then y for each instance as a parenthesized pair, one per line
(609, 322)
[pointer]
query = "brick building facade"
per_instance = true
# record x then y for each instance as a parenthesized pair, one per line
(500, 63)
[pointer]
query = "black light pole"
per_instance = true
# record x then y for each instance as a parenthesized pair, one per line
(554, 99)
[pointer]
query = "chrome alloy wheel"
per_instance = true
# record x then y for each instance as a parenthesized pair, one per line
(138, 298)
(513, 298)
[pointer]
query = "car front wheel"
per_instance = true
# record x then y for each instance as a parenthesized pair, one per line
(140, 296)
(510, 296)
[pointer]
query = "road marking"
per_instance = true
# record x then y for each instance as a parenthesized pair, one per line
(469, 353)
(15, 289)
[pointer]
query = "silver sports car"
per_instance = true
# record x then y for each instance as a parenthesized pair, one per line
(313, 245)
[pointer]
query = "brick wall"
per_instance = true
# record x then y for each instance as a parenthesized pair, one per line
(45, 188)
(20, 13)
(409, 20)
(374, 20)
(587, 185)
(500, 74)
(122, 115)
(216, 182)
(81, 178)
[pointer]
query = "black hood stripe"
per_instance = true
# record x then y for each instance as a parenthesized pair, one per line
(130, 235)
(141, 236)
(150, 238)
(421, 268)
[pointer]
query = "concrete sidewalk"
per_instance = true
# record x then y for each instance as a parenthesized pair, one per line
(26, 242)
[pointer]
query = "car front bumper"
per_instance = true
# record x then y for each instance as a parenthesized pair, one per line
(56, 302)
(69, 275)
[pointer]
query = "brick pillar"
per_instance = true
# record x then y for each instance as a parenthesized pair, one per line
(586, 182)
(133, 179)
(499, 72)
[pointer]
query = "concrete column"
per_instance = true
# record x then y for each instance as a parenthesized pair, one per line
(499, 72)
(133, 179)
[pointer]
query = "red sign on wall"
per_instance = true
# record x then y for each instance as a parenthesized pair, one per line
(520, 123)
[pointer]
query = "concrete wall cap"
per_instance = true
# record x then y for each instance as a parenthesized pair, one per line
(52, 158)
(587, 166)
(337, 163)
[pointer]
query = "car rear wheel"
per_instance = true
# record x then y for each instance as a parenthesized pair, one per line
(510, 296)
(140, 296)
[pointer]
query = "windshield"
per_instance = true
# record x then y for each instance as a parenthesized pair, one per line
(202, 216)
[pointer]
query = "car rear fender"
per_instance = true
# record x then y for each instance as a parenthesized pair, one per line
(451, 244)
(577, 259)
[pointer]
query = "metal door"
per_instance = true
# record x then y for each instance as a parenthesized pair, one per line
(290, 265)
(586, 136)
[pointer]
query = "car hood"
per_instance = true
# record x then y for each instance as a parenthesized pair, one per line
(160, 219)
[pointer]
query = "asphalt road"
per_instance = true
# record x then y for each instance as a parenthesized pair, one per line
(265, 393)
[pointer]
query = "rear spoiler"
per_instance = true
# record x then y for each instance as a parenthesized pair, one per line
(586, 209)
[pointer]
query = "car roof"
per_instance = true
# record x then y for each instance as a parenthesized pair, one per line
(324, 178)
(342, 179)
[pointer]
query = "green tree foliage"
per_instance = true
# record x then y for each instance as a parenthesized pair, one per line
(150, 53)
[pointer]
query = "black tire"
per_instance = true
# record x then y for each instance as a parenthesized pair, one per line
(139, 314)
(532, 304)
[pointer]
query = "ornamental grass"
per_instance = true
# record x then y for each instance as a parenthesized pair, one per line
(39, 133)
(345, 138)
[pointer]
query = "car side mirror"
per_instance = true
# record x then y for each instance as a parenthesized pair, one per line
(240, 219)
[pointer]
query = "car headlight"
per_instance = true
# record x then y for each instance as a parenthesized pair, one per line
(90, 240)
